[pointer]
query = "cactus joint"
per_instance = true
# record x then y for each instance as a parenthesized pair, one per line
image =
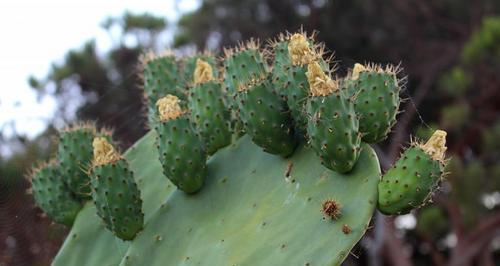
(169, 108)
(104, 152)
(320, 84)
(436, 145)
(203, 72)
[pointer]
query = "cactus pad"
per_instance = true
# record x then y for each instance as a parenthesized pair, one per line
(266, 118)
(411, 181)
(52, 195)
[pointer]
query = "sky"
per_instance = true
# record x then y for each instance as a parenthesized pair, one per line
(38, 33)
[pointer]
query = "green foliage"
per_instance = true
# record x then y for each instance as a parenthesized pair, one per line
(333, 131)
(409, 183)
(456, 81)
(483, 45)
(455, 116)
(432, 221)
(117, 198)
(181, 153)
(52, 195)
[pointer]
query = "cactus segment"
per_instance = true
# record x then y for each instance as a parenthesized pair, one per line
(333, 124)
(411, 181)
(266, 118)
(181, 152)
(161, 76)
(210, 115)
(114, 191)
(74, 155)
(241, 66)
(289, 73)
(52, 195)
(376, 93)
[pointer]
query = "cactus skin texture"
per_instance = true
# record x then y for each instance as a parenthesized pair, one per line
(376, 93)
(333, 124)
(181, 152)
(266, 118)
(241, 66)
(209, 113)
(52, 195)
(410, 183)
(74, 155)
(115, 195)
(161, 76)
(208, 109)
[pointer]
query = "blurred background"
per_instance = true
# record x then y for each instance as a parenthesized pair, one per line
(62, 62)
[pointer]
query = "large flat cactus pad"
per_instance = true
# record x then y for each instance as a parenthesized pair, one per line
(249, 212)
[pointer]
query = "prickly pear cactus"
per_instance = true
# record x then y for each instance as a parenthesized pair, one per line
(74, 156)
(376, 93)
(208, 108)
(333, 127)
(114, 191)
(161, 76)
(165, 202)
(52, 194)
(413, 179)
(266, 118)
(292, 54)
(180, 149)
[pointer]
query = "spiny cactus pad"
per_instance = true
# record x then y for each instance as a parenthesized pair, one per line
(74, 156)
(266, 118)
(210, 114)
(413, 179)
(247, 208)
(376, 94)
(52, 194)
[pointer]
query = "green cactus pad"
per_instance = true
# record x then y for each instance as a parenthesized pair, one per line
(210, 114)
(53, 196)
(333, 131)
(117, 198)
(377, 101)
(247, 208)
(409, 183)
(161, 76)
(74, 155)
(240, 67)
(181, 153)
(89, 243)
(291, 83)
(266, 118)
(250, 213)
